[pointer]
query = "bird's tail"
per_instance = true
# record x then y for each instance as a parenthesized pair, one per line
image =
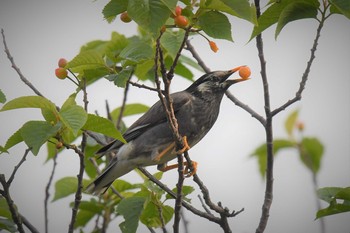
(114, 170)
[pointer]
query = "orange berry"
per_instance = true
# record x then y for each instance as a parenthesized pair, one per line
(178, 11)
(213, 46)
(181, 21)
(244, 72)
(62, 62)
(61, 73)
(300, 125)
(59, 145)
(125, 17)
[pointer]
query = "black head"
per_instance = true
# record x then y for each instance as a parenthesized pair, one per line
(214, 82)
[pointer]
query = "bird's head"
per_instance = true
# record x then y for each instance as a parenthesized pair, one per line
(214, 82)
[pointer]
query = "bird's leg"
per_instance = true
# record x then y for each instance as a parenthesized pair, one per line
(170, 147)
(166, 150)
(186, 146)
(187, 171)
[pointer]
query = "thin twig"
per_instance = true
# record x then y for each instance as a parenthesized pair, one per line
(269, 133)
(196, 56)
(15, 67)
(81, 153)
(143, 86)
(305, 76)
(245, 107)
(122, 108)
(17, 166)
(47, 193)
(28, 224)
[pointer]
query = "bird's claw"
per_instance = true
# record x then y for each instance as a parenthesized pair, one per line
(190, 170)
(185, 148)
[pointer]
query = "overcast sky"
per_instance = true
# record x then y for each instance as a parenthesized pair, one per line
(38, 33)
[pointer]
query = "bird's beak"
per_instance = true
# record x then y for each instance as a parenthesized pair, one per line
(229, 82)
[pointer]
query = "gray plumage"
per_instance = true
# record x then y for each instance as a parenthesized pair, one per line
(196, 110)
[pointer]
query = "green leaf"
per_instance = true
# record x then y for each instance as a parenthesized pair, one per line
(122, 185)
(342, 6)
(131, 209)
(151, 214)
(328, 193)
(36, 133)
(261, 152)
(295, 11)
(171, 41)
(87, 210)
(2, 97)
(113, 8)
(143, 70)
(14, 140)
(216, 25)
(73, 117)
(311, 152)
(86, 60)
(333, 209)
(272, 14)
(186, 190)
(123, 76)
(151, 15)
(136, 52)
(291, 121)
(102, 125)
(4, 209)
(29, 102)
(188, 61)
(8, 225)
(66, 186)
(239, 8)
(332, 195)
(129, 110)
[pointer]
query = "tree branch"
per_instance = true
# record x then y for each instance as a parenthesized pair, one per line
(81, 153)
(15, 67)
(305, 76)
(47, 193)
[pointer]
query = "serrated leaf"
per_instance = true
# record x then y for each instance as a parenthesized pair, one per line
(261, 152)
(8, 225)
(66, 186)
(311, 152)
(216, 25)
(2, 97)
(122, 185)
(73, 117)
(102, 125)
(186, 190)
(295, 11)
(151, 15)
(171, 41)
(36, 133)
(290, 122)
(86, 60)
(14, 140)
(4, 209)
(239, 8)
(131, 209)
(29, 102)
(113, 8)
(327, 193)
(129, 110)
(272, 14)
(343, 6)
(333, 209)
(151, 214)
(136, 52)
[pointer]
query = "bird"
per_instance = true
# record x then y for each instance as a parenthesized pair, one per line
(150, 140)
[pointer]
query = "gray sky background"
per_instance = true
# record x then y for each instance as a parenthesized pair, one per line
(38, 33)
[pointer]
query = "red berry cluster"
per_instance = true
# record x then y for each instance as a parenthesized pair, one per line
(61, 72)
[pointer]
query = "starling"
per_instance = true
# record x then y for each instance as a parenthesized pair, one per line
(150, 140)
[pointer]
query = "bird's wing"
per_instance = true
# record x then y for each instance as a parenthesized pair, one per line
(154, 116)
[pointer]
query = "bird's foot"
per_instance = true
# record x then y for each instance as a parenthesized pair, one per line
(188, 171)
(185, 148)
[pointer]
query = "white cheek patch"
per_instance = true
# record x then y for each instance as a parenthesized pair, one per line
(203, 87)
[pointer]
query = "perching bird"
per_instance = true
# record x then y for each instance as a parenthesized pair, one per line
(150, 139)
